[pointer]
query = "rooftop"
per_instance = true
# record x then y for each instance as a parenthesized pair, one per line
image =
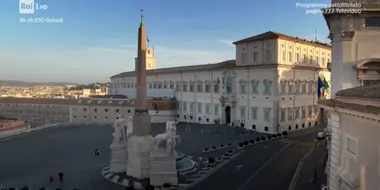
(365, 92)
(275, 35)
(86, 101)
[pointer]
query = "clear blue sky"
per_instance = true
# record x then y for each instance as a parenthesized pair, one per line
(98, 38)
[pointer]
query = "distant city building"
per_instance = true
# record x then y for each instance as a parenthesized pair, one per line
(37, 111)
(270, 87)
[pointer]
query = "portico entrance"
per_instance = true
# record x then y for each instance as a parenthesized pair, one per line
(228, 114)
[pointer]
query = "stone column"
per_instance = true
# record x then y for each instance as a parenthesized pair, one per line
(140, 144)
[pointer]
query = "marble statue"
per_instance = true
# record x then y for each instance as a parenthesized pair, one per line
(123, 130)
(170, 138)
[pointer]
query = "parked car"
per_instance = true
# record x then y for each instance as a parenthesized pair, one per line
(321, 135)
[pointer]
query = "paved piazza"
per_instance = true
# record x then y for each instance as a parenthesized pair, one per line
(31, 158)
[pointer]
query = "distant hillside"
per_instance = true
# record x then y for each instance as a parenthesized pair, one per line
(23, 83)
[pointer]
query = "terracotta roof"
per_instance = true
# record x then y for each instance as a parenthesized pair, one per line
(275, 35)
(367, 92)
(216, 66)
(356, 107)
(192, 68)
(92, 102)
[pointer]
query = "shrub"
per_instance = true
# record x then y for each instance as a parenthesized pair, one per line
(211, 160)
(274, 135)
(221, 146)
(230, 151)
(285, 133)
(241, 144)
(246, 143)
(269, 137)
(258, 139)
(252, 141)
(279, 135)
(229, 144)
(214, 147)
(262, 138)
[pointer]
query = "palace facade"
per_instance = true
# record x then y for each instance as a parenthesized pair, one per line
(270, 87)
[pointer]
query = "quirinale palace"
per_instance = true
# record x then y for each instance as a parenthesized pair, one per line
(271, 86)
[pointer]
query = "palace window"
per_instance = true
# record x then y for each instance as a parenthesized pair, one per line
(268, 56)
(200, 87)
(208, 105)
(159, 85)
(184, 107)
(207, 88)
(323, 61)
(254, 57)
(244, 58)
(310, 59)
(165, 85)
(191, 87)
(303, 90)
(289, 57)
(184, 87)
(310, 111)
(242, 111)
(304, 59)
(177, 87)
(303, 112)
(254, 86)
(283, 56)
(296, 113)
(243, 87)
(282, 114)
(297, 58)
(267, 87)
(267, 114)
(290, 87)
(290, 114)
(283, 87)
(150, 85)
(154, 85)
(351, 146)
(199, 107)
(298, 86)
(171, 86)
(216, 109)
(254, 113)
(192, 107)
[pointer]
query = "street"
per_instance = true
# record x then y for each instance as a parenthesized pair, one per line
(268, 166)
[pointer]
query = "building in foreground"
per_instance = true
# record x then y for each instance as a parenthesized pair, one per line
(355, 45)
(37, 111)
(354, 146)
(269, 87)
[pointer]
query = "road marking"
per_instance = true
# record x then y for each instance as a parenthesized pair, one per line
(263, 166)
(239, 167)
(296, 174)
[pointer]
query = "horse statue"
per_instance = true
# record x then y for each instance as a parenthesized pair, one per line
(123, 130)
(170, 138)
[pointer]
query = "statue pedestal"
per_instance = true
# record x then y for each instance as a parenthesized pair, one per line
(163, 168)
(138, 156)
(119, 158)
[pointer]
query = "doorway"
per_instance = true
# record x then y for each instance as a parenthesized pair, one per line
(228, 114)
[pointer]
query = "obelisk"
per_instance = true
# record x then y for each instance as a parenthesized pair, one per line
(140, 144)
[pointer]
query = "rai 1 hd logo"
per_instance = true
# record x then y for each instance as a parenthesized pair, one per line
(26, 6)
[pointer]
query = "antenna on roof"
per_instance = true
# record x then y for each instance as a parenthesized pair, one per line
(315, 37)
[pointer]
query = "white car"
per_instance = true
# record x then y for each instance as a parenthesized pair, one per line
(321, 135)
